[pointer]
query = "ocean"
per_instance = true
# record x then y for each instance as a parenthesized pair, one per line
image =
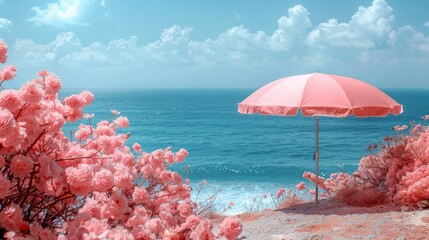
(245, 156)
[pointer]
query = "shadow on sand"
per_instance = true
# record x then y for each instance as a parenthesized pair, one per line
(333, 207)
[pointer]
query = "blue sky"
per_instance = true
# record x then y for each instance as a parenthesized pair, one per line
(216, 44)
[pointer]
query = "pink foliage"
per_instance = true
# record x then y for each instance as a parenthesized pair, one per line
(280, 192)
(21, 166)
(361, 197)
(122, 122)
(90, 186)
(4, 186)
(398, 172)
(300, 186)
(10, 100)
(7, 73)
(181, 155)
(137, 148)
(7, 123)
(231, 228)
(3, 51)
(11, 217)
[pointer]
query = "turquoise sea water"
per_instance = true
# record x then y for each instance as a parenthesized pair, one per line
(246, 155)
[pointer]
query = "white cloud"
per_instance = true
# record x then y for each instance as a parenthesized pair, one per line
(5, 25)
(410, 41)
(65, 12)
(405, 44)
(239, 46)
(171, 47)
(426, 24)
(368, 28)
(43, 54)
(367, 38)
(103, 3)
(120, 53)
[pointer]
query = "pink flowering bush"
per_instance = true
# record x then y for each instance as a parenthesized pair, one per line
(91, 186)
(396, 172)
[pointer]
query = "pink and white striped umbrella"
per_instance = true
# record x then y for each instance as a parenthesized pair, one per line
(319, 94)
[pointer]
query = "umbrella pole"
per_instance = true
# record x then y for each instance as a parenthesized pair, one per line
(316, 158)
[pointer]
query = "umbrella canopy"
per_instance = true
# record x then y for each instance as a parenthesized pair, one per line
(319, 94)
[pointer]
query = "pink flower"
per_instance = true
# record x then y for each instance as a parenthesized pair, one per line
(181, 155)
(280, 192)
(183, 192)
(400, 128)
(7, 123)
(43, 73)
(80, 178)
(203, 231)
(75, 101)
(21, 166)
(87, 97)
(11, 217)
(103, 180)
(4, 186)
(54, 121)
(52, 85)
(306, 175)
(169, 157)
(184, 209)
(83, 132)
(3, 51)
(164, 176)
(31, 92)
(16, 135)
(121, 233)
(264, 195)
(121, 122)
(176, 178)
(137, 148)
(88, 115)
(116, 206)
(7, 73)
(426, 117)
(10, 99)
(300, 186)
(154, 225)
(95, 229)
(192, 222)
(107, 143)
(115, 112)
(91, 206)
(123, 176)
(140, 195)
(105, 128)
(138, 217)
(231, 228)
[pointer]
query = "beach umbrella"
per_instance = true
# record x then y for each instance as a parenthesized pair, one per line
(319, 94)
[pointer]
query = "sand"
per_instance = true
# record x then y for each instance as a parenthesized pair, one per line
(333, 220)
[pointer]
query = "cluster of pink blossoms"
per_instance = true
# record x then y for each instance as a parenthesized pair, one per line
(92, 186)
(397, 172)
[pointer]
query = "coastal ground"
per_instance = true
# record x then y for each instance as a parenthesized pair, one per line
(333, 220)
